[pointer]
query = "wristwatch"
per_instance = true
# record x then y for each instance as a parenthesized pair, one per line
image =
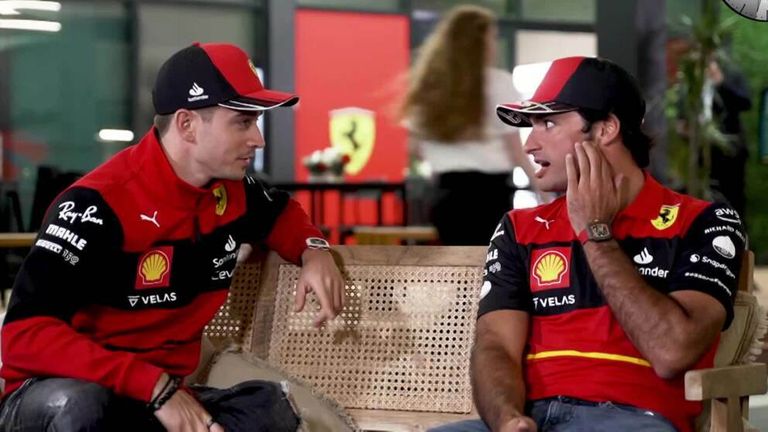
(318, 243)
(596, 231)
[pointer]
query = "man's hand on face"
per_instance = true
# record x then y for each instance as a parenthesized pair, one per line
(320, 274)
(594, 192)
(519, 424)
(183, 413)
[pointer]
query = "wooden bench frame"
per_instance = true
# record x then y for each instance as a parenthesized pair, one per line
(248, 318)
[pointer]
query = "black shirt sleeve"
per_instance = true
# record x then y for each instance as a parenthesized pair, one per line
(73, 245)
(505, 279)
(709, 257)
(264, 206)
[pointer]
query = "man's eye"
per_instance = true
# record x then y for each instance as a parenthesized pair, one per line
(548, 124)
(246, 123)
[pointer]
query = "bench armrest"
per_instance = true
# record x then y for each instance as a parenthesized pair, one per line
(726, 382)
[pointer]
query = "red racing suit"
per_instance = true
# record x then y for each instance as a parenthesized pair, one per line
(130, 264)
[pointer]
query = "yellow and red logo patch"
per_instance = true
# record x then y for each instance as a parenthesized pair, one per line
(154, 269)
(550, 268)
(220, 193)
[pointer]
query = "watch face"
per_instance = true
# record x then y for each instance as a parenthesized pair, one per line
(752, 9)
(317, 243)
(599, 231)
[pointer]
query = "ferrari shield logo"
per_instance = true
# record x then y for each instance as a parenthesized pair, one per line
(220, 193)
(667, 217)
(353, 132)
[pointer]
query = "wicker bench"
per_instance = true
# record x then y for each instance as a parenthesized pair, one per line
(397, 358)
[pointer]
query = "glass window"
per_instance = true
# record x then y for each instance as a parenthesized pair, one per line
(167, 28)
(536, 49)
(535, 46)
(676, 10)
(571, 11)
(500, 7)
(62, 87)
(374, 6)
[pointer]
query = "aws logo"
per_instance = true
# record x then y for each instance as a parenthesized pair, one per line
(154, 268)
(550, 268)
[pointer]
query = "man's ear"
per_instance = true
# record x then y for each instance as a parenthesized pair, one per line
(608, 130)
(185, 124)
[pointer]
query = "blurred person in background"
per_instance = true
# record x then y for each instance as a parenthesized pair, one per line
(450, 113)
(729, 161)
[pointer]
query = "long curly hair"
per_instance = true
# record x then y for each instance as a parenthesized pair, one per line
(446, 96)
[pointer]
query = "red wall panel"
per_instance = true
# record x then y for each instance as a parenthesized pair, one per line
(344, 60)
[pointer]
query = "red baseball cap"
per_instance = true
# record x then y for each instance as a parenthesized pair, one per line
(209, 74)
(573, 83)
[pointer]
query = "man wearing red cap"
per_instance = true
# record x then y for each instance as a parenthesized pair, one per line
(595, 305)
(133, 260)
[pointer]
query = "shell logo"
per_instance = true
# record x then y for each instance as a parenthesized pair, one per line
(550, 268)
(154, 267)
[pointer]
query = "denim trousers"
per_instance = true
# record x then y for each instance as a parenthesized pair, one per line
(71, 405)
(562, 414)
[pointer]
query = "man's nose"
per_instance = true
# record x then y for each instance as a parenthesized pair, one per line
(256, 139)
(532, 143)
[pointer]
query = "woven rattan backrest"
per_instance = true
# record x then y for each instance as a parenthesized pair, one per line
(235, 318)
(403, 339)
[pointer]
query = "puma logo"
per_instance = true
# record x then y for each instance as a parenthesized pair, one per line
(152, 219)
(544, 221)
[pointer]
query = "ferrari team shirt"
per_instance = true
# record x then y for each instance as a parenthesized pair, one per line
(130, 264)
(576, 347)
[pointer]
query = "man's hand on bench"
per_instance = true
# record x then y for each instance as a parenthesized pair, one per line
(320, 274)
(183, 412)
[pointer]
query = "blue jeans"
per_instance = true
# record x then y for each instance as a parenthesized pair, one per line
(70, 405)
(563, 414)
